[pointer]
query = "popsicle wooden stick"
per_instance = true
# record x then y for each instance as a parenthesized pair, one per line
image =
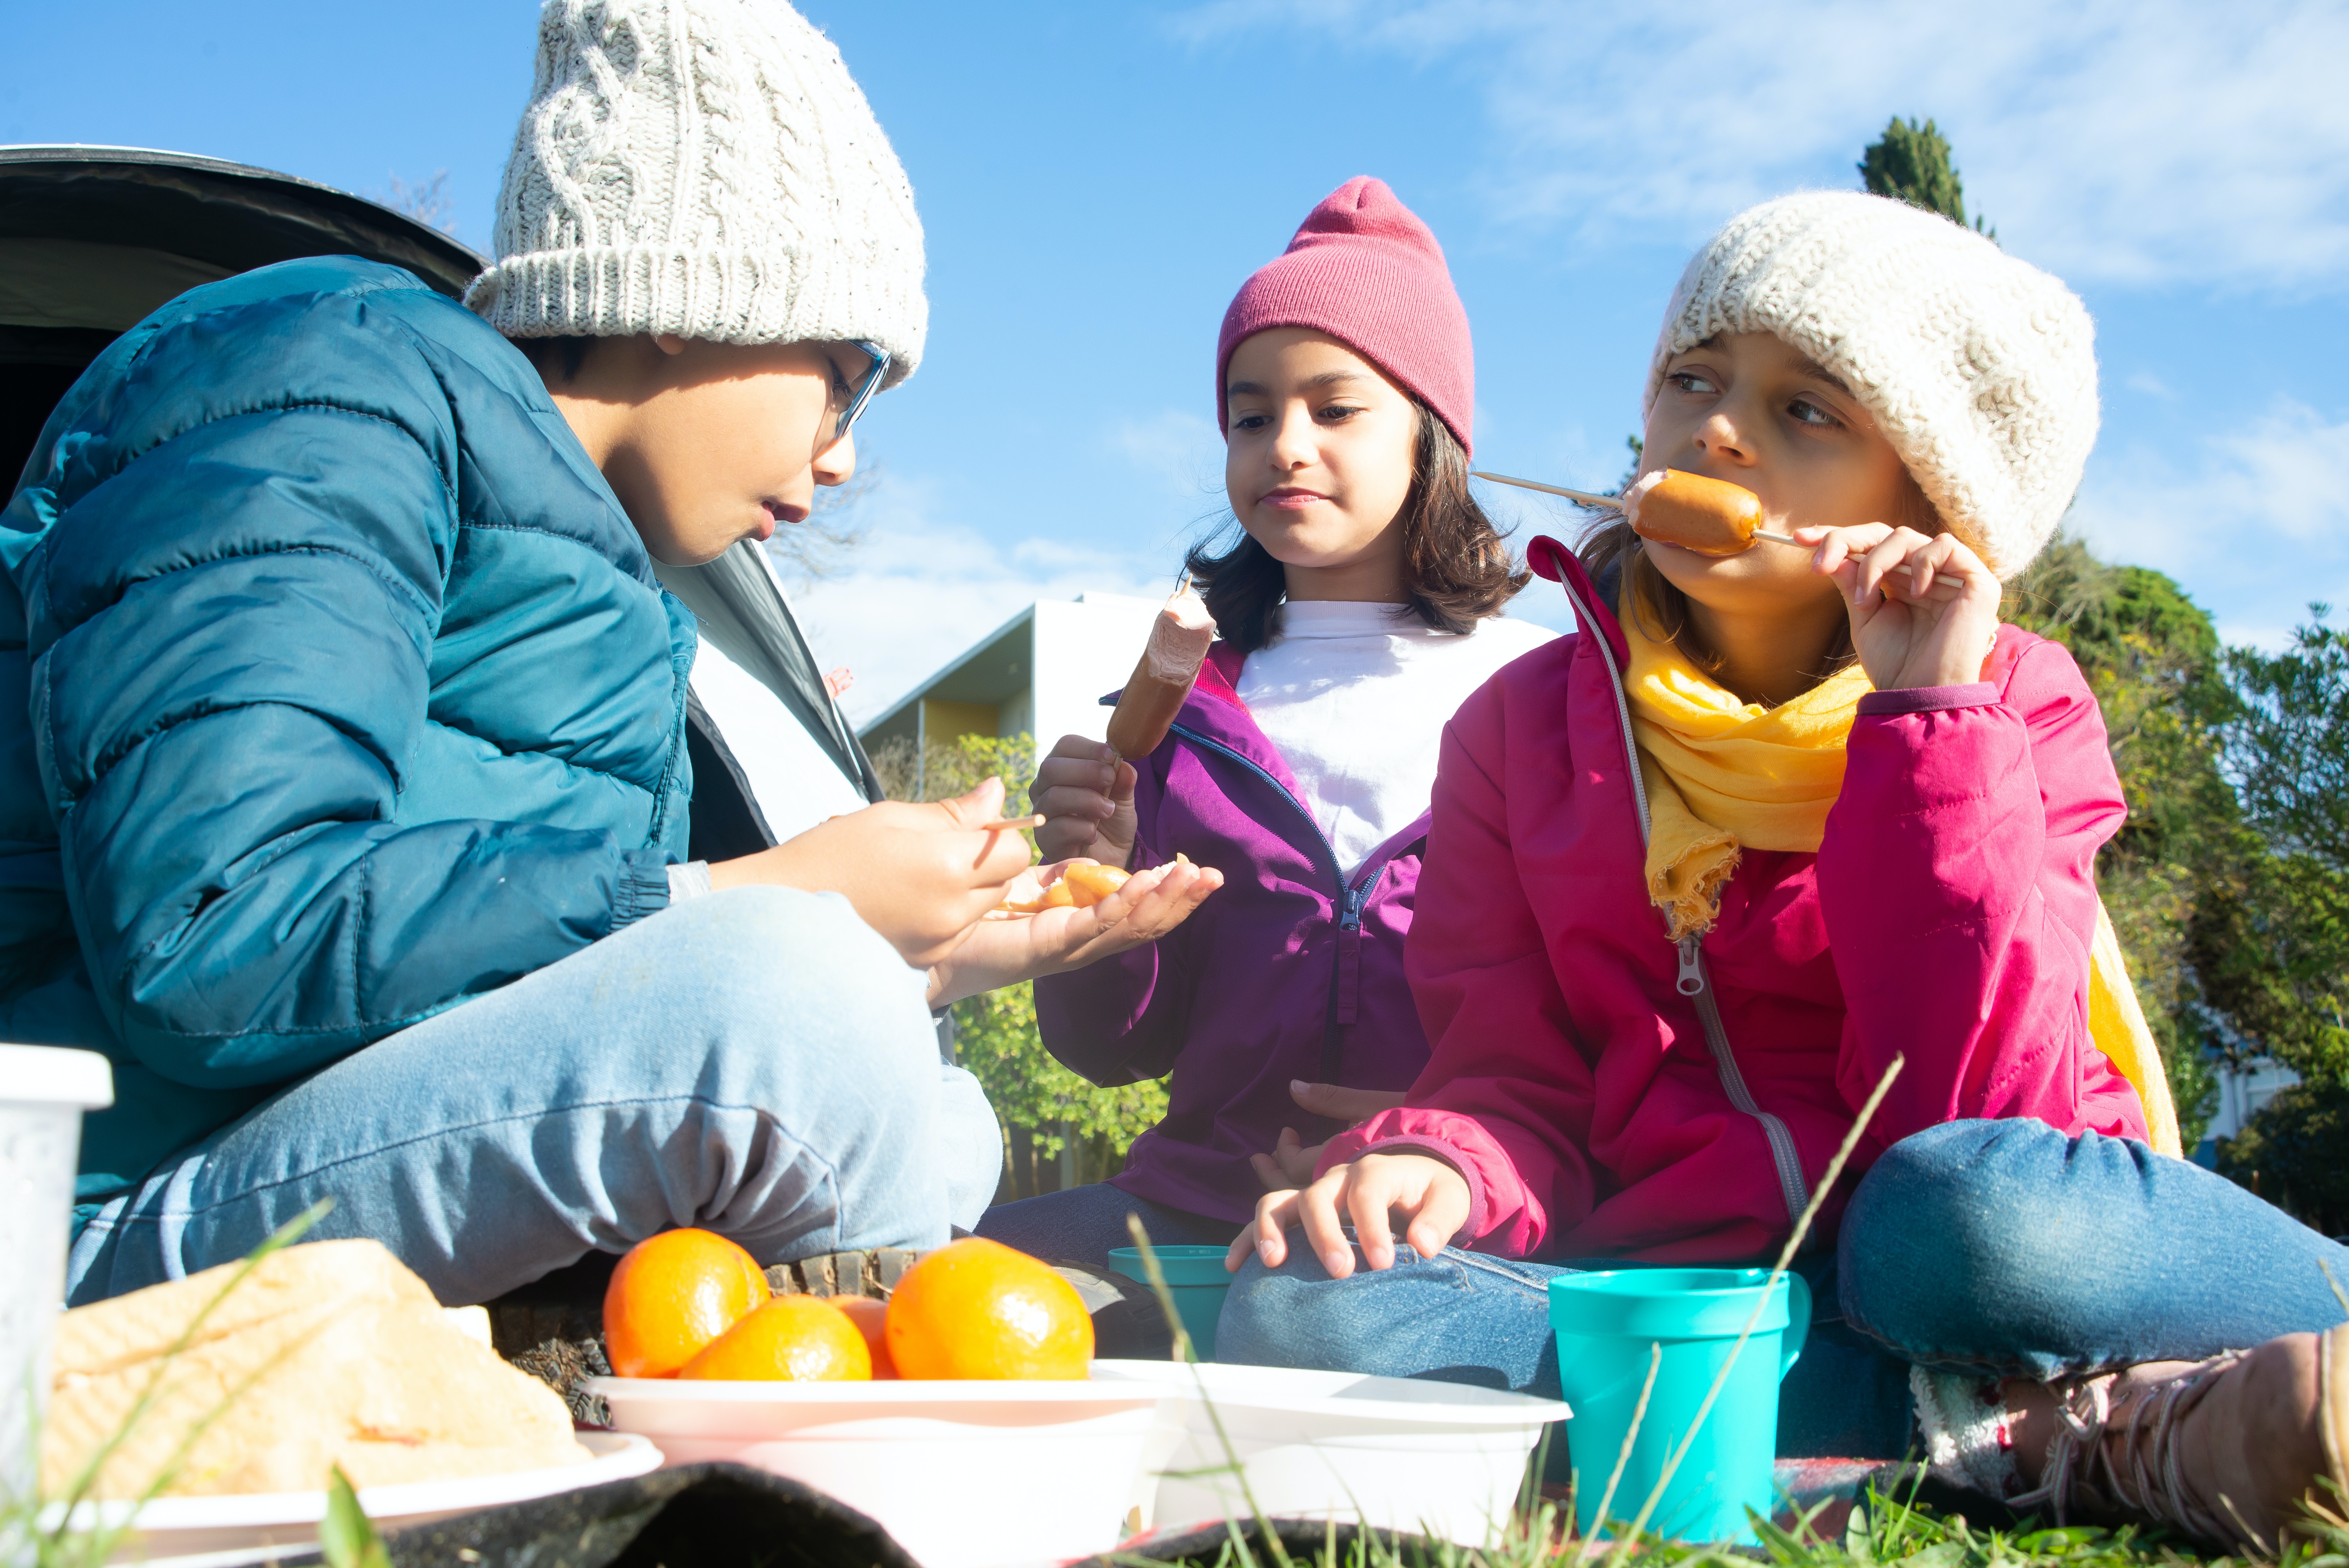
(1615, 503)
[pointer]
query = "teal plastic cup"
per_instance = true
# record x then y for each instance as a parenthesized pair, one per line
(1196, 1279)
(1607, 1321)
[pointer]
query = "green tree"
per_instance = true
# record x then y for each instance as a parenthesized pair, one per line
(1058, 1130)
(1911, 162)
(2152, 658)
(2275, 950)
(2274, 945)
(2291, 1154)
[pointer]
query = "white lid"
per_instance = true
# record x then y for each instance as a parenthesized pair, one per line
(45, 1075)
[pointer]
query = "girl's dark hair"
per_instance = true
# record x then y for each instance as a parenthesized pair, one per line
(1610, 552)
(1455, 567)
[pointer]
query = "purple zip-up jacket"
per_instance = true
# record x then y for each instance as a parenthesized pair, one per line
(1288, 972)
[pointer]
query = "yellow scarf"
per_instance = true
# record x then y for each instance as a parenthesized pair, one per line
(1724, 775)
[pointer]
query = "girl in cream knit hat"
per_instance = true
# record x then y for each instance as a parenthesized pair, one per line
(1781, 824)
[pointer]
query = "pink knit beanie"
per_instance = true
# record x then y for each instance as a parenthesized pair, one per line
(1365, 269)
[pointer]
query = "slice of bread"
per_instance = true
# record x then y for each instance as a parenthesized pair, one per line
(328, 1353)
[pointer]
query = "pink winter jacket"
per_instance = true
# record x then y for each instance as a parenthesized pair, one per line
(1946, 918)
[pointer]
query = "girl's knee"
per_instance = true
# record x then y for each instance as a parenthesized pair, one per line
(1948, 1224)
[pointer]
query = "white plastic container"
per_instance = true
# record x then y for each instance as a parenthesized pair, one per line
(43, 1092)
(964, 1475)
(1441, 1460)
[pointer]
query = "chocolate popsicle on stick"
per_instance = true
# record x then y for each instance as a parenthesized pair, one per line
(1169, 662)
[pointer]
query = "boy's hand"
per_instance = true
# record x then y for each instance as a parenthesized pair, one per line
(920, 875)
(1909, 629)
(1430, 1197)
(1010, 948)
(1085, 794)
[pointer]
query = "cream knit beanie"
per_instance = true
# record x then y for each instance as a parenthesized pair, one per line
(706, 167)
(1980, 369)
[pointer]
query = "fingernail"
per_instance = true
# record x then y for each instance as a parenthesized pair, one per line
(1264, 1251)
(1297, 1086)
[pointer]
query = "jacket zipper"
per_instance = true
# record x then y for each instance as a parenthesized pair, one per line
(1694, 981)
(1351, 900)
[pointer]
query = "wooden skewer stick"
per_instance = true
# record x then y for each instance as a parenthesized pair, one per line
(1615, 503)
(1612, 502)
(1006, 824)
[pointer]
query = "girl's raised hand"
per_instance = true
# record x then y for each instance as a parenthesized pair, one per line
(1909, 628)
(1084, 792)
(1430, 1197)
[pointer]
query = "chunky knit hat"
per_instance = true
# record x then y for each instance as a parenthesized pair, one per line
(1365, 269)
(1980, 369)
(706, 167)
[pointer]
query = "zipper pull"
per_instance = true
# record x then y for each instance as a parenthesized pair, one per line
(1351, 918)
(1691, 979)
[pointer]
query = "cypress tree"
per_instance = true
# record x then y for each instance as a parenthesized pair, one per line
(1911, 162)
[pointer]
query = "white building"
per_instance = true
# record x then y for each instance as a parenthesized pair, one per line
(2244, 1094)
(1042, 673)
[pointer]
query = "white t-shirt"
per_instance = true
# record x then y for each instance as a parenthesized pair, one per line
(1355, 699)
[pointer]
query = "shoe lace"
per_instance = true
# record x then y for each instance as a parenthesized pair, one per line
(2139, 1473)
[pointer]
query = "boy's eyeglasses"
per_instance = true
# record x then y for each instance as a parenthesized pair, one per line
(862, 392)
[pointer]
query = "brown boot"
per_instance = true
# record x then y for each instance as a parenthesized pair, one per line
(2232, 1450)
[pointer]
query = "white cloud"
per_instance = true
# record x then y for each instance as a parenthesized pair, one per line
(1182, 449)
(2254, 524)
(915, 592)
(2110, 140)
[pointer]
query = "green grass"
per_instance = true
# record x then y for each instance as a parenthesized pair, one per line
(1883, 1532)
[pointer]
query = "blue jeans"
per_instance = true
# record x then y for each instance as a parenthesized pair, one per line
(1080, 1224)
(1998, 1247)
(757, 1062)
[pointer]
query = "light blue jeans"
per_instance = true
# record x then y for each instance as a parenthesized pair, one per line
(2003, 1248)
(757, 1062)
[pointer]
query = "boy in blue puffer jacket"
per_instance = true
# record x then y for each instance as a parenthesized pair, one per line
(345, 792)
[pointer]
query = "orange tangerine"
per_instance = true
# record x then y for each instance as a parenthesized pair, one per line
(790, 1339)
(673, 1293)
(976, 1309)
(870, 1318)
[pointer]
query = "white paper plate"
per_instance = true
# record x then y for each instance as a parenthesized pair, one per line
(1410, 1403)
(963, 1474)
(1442, 1459)
(219, 1529)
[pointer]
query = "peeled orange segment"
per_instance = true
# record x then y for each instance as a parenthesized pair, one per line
(672, 1294)
(976, 1309)
(1088, 884)
(1712, 517)
(1080, 886)
(790, 1339)
(872, 1320)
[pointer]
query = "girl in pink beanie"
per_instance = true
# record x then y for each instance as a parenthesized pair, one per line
(1358, 607)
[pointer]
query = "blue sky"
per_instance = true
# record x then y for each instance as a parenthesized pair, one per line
(1096, 180)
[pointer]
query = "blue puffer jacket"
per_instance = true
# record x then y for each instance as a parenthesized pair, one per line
(335, 688)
